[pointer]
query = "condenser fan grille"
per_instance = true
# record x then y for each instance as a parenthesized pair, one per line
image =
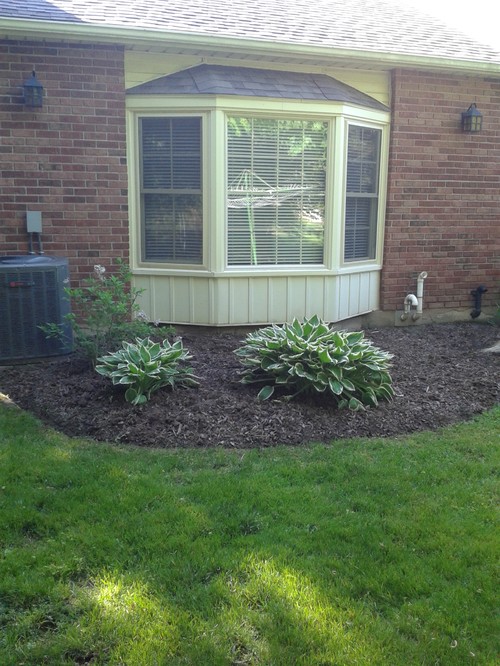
(31, 297)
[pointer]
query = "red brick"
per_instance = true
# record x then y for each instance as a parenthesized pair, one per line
(443, 205)
(53, 167)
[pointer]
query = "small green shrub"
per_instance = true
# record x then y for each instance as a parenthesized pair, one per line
(105, 312)
(309, 356)
(147, 366)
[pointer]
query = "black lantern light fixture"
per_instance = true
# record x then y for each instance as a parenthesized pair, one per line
(472, 119)
(33, 92)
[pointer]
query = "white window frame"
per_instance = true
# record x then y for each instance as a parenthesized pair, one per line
(353, 264)
(143, 193)
(214, 113)
(135, 194)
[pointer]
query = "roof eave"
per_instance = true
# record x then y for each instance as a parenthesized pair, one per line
(90, 33)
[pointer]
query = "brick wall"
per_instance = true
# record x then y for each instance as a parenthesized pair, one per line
(443, 207)
(66, 159)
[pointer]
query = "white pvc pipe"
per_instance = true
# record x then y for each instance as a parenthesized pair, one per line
(410, 300)
(415, 301)
(420, 291)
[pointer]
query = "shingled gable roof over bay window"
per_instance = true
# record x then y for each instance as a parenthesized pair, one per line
(247, 81)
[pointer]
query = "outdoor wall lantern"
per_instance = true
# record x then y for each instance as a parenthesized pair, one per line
(33, 92)
(472, 119)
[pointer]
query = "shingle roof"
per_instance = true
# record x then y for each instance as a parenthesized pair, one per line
(359, 25)
(222, 80)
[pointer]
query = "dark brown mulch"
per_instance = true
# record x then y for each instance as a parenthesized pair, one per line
(441, 375)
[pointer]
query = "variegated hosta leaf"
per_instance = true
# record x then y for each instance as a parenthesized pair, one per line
(308, 356)
(146, 366)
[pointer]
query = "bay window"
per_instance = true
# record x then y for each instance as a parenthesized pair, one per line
(256, 195)
(290, 192)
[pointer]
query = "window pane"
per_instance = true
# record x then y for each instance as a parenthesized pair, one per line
(276, 191)
(186, 152)
(360, 228)
(362, 178)
(171, 190)
(156, 145)
(363, 159)
(172, 226)
(363, 165)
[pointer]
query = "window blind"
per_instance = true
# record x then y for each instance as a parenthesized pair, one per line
(171, 190)
(275, 191)
(362, 178)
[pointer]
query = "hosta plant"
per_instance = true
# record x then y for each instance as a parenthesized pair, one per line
(308, 356)
(146, 366)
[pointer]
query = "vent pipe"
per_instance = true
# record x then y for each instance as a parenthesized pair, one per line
(477, 294)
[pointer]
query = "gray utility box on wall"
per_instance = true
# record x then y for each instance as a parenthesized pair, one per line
(32, 294)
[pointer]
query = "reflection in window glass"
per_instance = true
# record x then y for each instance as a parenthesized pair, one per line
(363, 167)
(172, 216)
(276, 175)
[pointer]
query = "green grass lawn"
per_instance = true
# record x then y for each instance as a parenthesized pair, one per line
(361, 552)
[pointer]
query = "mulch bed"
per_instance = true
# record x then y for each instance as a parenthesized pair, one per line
(441, 375)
